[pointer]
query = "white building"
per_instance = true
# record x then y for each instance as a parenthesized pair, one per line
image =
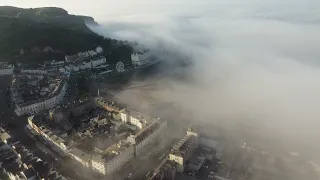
(62, 70)
(140, 59)
(56, 63)
(147, 135)
(34, 71)
(85, 54)
(86, 65)
(137, 121)
(99, 49)
(124, 117)
(55, 142)
(80, 156)
(118, 154)
(36, 107)
(6, 69)
(135, 118)
(98, 61)
(184, 149)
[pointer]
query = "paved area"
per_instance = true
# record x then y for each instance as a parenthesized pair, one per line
(14, 124)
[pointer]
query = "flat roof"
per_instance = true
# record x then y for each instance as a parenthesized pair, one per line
(42, 121)
(112, 152)
(103, 143)
(146, 130)
(110, 103)
(79, 153)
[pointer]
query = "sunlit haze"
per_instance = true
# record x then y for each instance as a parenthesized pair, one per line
(254, 60)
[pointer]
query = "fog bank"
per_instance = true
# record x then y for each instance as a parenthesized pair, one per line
(252, 60)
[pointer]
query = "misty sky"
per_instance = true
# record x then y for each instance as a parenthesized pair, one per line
(255, 58)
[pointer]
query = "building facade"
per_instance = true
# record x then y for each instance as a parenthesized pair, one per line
(98, 61)
(166, 170)
(80, 156)
(147, 135)
(6, 69)
(99, 49)
(86, 65)
(48, 137)
(86, 54)
(37, 107)
(135, 119)
(34, 71)
(124, 117)
(114, 160)
(140, 123)
(184, 149)
(109, 106)
(140, 59)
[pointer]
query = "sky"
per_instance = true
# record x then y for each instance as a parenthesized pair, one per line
(252, 58)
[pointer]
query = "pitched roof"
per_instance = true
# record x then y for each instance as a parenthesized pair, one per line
(29, 173)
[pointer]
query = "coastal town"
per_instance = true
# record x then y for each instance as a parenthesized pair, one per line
(48, 132)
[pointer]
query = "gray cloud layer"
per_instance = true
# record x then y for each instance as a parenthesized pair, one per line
(252, 58)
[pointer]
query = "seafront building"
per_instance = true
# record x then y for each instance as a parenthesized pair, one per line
(34, 71)
(148, 129)
(83, 65)
(97, 138)
(147, 135)
(175, 162)
(83, 55)
(135, 118)
(141, 59)
(184, 149)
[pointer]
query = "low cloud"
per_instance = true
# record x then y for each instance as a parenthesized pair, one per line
(252, 61)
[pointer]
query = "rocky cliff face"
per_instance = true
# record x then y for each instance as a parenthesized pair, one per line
(40, 14)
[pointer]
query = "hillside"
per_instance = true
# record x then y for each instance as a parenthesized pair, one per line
(40, 34)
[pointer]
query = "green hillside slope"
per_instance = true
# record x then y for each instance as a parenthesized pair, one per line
(40, 34)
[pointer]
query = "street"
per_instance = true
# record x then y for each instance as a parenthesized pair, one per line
(15, 126)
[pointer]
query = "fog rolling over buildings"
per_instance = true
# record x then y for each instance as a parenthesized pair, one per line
(252, 61)
(248, 69)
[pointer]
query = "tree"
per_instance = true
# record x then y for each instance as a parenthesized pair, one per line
(54, 27)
